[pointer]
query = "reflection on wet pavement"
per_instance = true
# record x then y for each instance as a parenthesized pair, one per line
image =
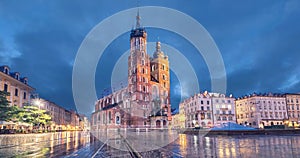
(80, 144)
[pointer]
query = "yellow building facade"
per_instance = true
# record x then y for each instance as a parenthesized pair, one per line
(16, 86)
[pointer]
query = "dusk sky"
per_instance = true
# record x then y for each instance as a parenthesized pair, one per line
(258, 40)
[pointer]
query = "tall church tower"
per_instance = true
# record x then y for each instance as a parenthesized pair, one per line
(139, 75)
(160, 74)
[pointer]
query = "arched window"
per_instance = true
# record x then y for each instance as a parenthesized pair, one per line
(109, 117)
(103, 118)
(224, 118)
(153, 67)
(118, 120)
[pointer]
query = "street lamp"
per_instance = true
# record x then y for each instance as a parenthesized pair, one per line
(38, 102)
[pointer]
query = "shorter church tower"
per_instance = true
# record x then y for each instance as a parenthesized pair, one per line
(160, 74)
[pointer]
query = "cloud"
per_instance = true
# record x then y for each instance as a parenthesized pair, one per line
(259, 42)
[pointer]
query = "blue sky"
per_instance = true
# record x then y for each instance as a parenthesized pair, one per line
(258, 40)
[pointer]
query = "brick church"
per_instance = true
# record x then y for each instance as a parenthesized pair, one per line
(145, 102)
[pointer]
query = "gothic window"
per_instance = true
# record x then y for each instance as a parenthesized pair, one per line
(155, 92)
(163, 66)
(143, 70)
(109, 117)
(94, 119)
(103, 118)
(164, 77)
(118, 120)
(144, 89)
(143, 62)
(153, 67)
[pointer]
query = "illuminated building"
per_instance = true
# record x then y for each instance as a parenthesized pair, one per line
(223, 108)
(293, 109)
(208, 109)
(61, 118)
(145, 102)
(259, 110)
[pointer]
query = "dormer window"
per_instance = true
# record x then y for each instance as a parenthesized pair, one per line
(17, 76)
(25, 80)
(6, 70)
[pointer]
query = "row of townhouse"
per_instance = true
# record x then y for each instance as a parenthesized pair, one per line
(255, 110)
(21, 94)
(62, 119)
(259, 110)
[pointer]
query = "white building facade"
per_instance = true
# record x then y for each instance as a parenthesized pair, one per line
(208, 109)
(223, 108)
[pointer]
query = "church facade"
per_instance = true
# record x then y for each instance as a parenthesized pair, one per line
(145, 102)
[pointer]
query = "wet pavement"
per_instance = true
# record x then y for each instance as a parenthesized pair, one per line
(80, 144)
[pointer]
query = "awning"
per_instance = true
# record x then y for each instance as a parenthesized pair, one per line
(6, 123)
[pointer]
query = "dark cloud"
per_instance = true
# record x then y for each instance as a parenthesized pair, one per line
(259, 42)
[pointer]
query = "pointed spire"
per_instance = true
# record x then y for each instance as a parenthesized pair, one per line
(158, 46)
(138, 19)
